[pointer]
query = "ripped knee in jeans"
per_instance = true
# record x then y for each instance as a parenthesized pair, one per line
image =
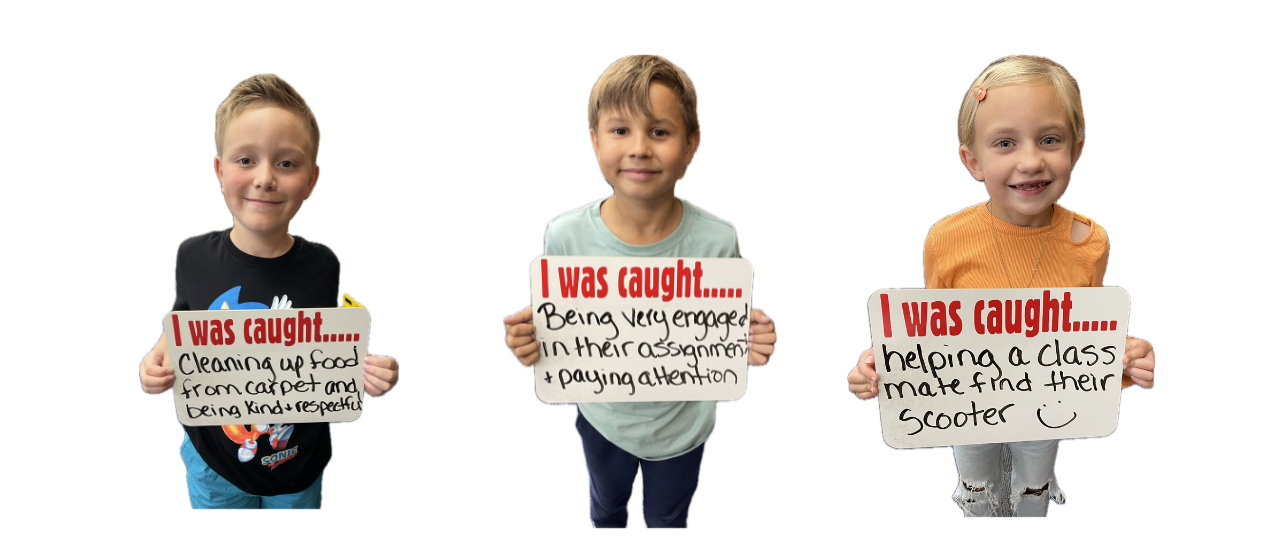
(1039, 494)
(978, 499)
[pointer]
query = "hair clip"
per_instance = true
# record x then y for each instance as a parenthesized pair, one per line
(979, 93)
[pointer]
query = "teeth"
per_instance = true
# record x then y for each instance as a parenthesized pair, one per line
(1031, 186)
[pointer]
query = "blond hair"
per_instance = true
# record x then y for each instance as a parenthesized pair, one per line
(1022, 70)
(266, 90)
(625, 86)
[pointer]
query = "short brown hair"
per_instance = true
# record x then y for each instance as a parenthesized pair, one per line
(1022, 70)
(625, 86)
(265, 90)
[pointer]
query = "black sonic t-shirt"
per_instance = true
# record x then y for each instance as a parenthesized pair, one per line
(267, 458)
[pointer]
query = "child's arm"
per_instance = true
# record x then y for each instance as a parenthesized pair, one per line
(520, 336)
(761, 339)
(1139, 362)
(862, 379)
(381, 373)
(154, 371)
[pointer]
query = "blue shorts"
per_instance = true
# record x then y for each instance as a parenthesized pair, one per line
(209, 490)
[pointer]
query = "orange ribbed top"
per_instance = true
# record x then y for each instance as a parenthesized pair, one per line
(961, 252)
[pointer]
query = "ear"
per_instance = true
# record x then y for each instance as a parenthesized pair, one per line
(692, 144)
(970, 161)
(1075, 156)
(217, 169)
(311, 186)
(595, 144)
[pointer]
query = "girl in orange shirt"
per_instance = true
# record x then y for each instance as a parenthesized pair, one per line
(1021, 132)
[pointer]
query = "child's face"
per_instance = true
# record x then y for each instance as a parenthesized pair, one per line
(1023, 150)
(265, 169)
(643, 157)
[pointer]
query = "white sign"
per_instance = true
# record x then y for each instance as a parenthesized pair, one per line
(640, 328)
(258, 366)
(962, 367)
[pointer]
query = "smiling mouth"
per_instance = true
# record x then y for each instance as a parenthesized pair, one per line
(262, 202)
(639, 173)
(1041, 419)
(1029, 186)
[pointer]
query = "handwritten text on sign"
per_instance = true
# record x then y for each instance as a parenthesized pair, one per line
(960, 367)
(259, 366)
(640, 328)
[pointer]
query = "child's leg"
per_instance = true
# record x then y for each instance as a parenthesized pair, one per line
(668, 488)
(1034, 483)
(207, 489)
(979, 469)
(612, 471)
(307, 499)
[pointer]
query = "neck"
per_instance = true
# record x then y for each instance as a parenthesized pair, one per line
(260, 245)
(641, 223)
(1043, 219)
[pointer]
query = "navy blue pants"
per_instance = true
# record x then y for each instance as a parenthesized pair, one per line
(668, 484)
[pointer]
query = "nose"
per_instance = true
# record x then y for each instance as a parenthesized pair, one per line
(1030, 160)
(639, 147)
(264, 177)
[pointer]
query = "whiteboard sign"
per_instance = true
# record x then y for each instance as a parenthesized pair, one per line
(961, 367)
(640, 328)
(256, 366)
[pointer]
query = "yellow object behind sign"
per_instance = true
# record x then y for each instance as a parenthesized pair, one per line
(349, 301)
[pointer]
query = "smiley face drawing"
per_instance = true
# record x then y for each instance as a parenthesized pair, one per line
(1045, 424)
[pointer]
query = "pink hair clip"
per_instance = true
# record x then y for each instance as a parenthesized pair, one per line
(979, 93)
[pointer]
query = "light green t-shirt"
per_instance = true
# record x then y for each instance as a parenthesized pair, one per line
(649, 430)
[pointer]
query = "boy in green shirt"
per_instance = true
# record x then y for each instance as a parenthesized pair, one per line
(644, 129)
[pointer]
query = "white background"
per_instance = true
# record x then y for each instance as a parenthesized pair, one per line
(450, 138)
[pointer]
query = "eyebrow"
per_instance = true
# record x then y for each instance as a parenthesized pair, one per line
(1008, 130)
(621, 120)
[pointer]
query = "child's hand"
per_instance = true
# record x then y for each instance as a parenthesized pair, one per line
(1139, 362)
(154, 371)
(381, 373)
(520, 336)
(762, 338)
(862, 379)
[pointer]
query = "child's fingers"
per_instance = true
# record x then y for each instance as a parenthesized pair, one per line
(756, 358)
(856, 377)
(516, 342)
(373, 389)
(525, 315)
(531, 358)
(525, 349)
(381, 379)
(520, 330)
(867, 365)
(387, 375)
(760, 348)
(1137, 374)
(152, 367)
(763, 338)
(155, 385)
(385, 362)
(758, 315)
(761, 327)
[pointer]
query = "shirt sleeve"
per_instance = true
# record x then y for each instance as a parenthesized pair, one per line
(931, 281)
(1100, 266)
(180, 301)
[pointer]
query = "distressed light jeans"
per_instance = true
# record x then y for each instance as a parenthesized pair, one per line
(1031, 483)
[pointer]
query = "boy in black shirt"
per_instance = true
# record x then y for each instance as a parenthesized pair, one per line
(267, 141)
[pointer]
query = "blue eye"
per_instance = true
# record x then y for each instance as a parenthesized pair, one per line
(1004, 144)
(1049, 140)
(288, 164)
